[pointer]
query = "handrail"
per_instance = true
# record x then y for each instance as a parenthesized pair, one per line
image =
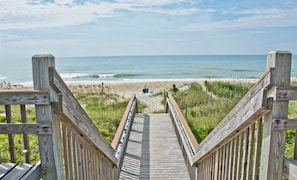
(187, 137)
(120, 140)
(77, 116)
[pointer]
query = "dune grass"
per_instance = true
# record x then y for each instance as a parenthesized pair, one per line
(105, 110)
(204, 111)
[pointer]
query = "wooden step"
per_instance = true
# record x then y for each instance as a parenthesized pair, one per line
(9, 171)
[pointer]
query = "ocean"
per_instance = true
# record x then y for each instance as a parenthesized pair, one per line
(137, 68)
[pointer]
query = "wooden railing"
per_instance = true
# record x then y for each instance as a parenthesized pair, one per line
(19, 148)
(120, 140)
(70, 145)
(185, 136)
(249, 142)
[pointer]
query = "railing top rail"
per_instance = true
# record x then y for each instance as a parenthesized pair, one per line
(184, 123)
(119, 130)
(121, 138)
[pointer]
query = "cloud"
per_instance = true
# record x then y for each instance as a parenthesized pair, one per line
(249, 19)
(25, 14)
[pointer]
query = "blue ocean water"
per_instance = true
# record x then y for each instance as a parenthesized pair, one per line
(133, 68)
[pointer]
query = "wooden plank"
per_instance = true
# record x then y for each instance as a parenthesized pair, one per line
(231, 156)
(285, 93)
(239, 159)
(274, 142)
(33, 173)
(24, 97)
(5, 168)
(120, 128)
(78, 117)
(235, 157)
(75, 156)
(19, 128)
(258, 144)
(17, 172)
(284, 124)
(245, 153)
(25, 136)
(290, 168)
(249, 172)
(65, 150)
(217, 165)
(49, 145)
(11, 146)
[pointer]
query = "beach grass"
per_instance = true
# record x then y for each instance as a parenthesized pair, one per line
(205, 108)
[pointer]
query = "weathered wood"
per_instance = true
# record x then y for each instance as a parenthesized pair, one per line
(19, 128)
(11, 146)
(250, 150)
(284, 124)
(235, 157)
(245, 154)
(10, 171)
(49, 145)
(258, 143)
(120, 128)
(274, 141)
(239, 157)
(25, 136)
(151, 153)
(285, 93)
(33, 173)
(184, 123)
(78, 117)
(24, 97)
(290, 169)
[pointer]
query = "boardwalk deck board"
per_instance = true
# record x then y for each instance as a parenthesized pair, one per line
(153, 151)
(10, 171)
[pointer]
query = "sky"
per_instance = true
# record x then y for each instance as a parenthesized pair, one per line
(68, 28)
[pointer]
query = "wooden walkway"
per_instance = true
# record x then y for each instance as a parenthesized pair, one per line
(153, 151)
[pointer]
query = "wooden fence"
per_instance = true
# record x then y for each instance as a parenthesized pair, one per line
(249, 142)
(70, 145)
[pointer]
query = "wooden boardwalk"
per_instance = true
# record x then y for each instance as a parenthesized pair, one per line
(153, 151)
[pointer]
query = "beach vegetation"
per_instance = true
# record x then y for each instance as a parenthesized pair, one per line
(105, 110)
(204, 106)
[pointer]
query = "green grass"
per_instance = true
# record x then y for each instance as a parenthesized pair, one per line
(105, 110)
(204, 111)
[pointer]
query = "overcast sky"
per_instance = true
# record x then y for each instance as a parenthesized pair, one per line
(146, 27)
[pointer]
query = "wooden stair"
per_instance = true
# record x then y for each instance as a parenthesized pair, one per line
(9, 171)
(153, 151)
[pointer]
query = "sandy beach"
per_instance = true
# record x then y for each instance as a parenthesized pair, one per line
(125, 89)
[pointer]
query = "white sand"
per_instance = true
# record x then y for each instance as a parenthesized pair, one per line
(126, 89)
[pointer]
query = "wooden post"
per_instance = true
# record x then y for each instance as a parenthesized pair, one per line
(272, 155)
(49, 145)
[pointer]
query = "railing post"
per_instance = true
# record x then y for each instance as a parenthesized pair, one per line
(274, 141)
(49, 145)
